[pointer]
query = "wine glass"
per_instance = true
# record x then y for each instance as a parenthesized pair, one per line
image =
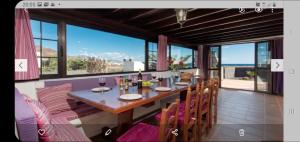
(153, 76)
(160, 77)
(134, 81)
(130, 80)
(102, 82)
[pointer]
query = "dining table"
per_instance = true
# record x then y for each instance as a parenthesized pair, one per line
(110, 101)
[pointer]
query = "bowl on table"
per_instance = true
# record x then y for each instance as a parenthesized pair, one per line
(147, 84)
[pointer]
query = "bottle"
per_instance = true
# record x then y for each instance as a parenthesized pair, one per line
(140, 79)
(126, 83)
(121, 83)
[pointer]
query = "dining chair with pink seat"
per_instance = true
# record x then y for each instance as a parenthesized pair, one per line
(187, 115)
(143, 132)
(204, 108)
(214, 101)
(190, 109)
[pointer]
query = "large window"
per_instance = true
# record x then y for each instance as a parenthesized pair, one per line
(92, 51)
(182, 56)
(152, 55)
(83, 51)
(46, 44)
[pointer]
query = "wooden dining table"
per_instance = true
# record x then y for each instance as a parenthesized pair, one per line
(110, 101)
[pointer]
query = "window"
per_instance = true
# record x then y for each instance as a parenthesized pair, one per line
(92, 51)
(214, 57)
(152, 55)
(214, 61)
(46, 44)
(195, 58)
(182, 55)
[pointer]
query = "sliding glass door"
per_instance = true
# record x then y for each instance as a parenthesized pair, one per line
(214, 62)
(262, 67)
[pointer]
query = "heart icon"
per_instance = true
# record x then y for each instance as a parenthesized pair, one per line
(41, 131)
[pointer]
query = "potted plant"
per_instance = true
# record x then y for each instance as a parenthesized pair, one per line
(251, 74)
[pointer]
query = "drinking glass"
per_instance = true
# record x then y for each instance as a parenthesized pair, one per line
(160, 77)
(134, 81)
(153, 76)
(102, 82)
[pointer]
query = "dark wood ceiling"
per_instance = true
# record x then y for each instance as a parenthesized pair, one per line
(203, 26)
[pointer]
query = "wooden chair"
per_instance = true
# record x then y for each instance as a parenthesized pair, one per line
(187, 116)
(186, 76)
(168, 122)
(151, 133)
(190, 114)
(204, 108)
(214, 94)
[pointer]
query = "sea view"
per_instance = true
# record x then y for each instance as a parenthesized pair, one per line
(242, 65)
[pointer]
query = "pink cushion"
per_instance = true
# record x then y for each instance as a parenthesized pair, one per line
(81, 111)
(182, 106)
(180, 113)
(56, 98)
(141, 133)
(43, 117)
(180, 117)
(66, 132)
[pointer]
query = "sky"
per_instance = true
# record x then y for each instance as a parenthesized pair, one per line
(238, 54)
(83, 41)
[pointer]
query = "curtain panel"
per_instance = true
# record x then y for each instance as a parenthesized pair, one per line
(24, 46)
(162, 64)
(277, 77)
(202, 60)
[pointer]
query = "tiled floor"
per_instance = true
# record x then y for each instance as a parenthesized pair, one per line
(259, 115)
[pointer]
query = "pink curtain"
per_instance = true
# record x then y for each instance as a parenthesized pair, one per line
(200, 57)
(200, 60)
(162, 63)
(24, 46)
(277, 77)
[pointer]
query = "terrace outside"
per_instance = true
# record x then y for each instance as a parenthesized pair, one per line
(238, 76)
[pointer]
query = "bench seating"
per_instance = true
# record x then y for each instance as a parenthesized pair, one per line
(83, 114)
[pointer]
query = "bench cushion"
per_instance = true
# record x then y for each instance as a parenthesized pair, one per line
(141, 132)
(43, 120)
(56, 98)
(25, 119)
(81, 111)
(67, 132)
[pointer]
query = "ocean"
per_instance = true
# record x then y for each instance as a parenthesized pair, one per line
(238, 65)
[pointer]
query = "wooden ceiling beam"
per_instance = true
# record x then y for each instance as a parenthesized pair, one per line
(162, 17)
(269, 29)
(144, 14)
(194, 31)
(244, 38)
(116, 10)
(98, 22)
(240, 36)
(192, 17)
(272, 23)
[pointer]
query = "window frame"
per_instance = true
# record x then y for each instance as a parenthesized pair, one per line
(59, 47)
(182, 46)
(95, 74)
(147, 55)
(62, 49)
